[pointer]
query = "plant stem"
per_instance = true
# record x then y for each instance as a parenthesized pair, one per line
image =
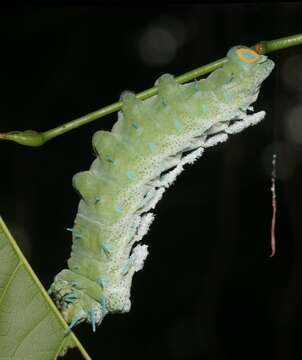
(34, 138)
(282, 43)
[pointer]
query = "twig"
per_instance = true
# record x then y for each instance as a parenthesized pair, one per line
(34, 138)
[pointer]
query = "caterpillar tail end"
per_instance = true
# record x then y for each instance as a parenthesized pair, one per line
(75, 306)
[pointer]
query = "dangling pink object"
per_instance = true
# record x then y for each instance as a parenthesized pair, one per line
(274, 206)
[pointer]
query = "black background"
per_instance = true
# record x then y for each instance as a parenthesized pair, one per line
(208, 289)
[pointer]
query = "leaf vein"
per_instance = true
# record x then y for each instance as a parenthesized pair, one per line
(10, 280)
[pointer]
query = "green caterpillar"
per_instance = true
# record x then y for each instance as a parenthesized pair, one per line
(136, 162)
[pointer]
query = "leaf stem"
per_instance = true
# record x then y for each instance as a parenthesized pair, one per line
(34, 138)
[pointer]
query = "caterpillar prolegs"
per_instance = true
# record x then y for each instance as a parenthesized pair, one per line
(136, 162)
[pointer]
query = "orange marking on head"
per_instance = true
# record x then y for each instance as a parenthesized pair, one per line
(247, 55)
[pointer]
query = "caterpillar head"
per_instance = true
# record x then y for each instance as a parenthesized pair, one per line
(250, 62)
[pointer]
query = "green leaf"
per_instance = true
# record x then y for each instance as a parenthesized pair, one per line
(31, 327)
